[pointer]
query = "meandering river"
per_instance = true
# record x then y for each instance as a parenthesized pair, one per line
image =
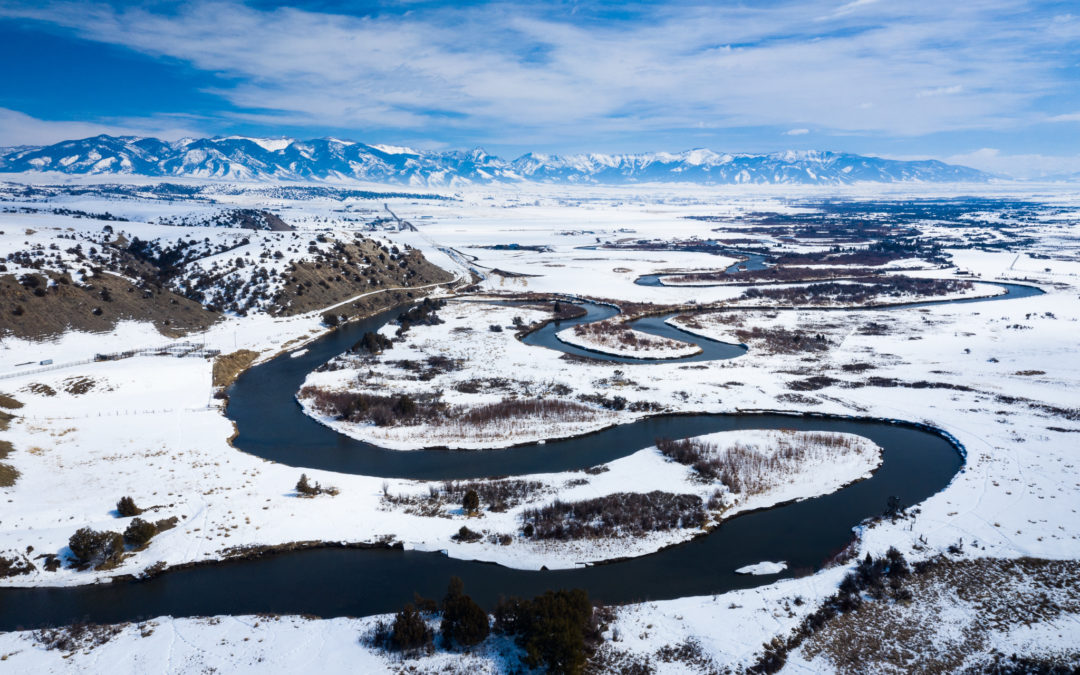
(917, 463)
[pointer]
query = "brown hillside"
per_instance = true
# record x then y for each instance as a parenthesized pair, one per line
(34, 310)
(335, 277)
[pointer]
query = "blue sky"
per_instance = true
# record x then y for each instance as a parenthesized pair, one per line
(992, 83)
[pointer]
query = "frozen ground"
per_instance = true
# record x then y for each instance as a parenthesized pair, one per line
(625, 342)
(149, 429)
(1000, 376)
(228, 644)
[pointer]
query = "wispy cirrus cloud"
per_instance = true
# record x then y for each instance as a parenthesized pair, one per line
(503, 71)
(1019, 165)
(17, 128)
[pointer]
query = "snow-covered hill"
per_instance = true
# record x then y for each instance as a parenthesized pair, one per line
(241, 158)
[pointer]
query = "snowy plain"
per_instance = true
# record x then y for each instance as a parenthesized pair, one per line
(150, 427)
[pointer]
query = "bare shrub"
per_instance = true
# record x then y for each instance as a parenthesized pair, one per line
(782, 340)
(813, 383)
(608, 402)
(10, 567)
(618, 514)
(777, 273)
(487, 384)
(510, 408)
(747, 470)
(355, 406)
(466, 535)
(498, 495)
(877, 289)
(80, 635)
(306, 488)
(408, 410)
(616, 333)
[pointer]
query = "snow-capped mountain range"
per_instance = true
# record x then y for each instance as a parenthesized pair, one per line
(244, 159)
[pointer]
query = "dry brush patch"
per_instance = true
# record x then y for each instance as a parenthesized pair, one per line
(78, 385)
(617, 335)
(748, 470)
(947, 616)
(859, 291)
(15, 565)
(8, 473)
(777, 274)
(622, 514)
(404, 410)
(78, 636)
(782, 340)
(809, 337)
(227, 367)
(495, 495)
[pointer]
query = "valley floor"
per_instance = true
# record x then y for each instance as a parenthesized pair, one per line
(999, 376)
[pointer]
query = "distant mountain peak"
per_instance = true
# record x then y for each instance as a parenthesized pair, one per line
(246, 158)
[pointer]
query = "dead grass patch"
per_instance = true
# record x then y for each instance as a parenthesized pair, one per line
(40, 389)
(8, 475)
(747, 469)
(956, 608)
(942, 617)
(77, 386)
(228, 367)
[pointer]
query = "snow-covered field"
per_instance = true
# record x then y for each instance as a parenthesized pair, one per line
(626, 342)
(148, 428)
(999, 376)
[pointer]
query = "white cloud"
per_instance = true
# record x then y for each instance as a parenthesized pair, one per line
(796, 132)
(1067, 117)
(534, 76)
(852, 7)
(17, 128)
(1023, 166)
(940, 91)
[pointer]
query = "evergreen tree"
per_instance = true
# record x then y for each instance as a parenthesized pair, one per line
(471, 502)
(305, 488)
(96, 548)
(551, 628)
(464, 622)
(126, 507)
(139, 533)
(409, 631)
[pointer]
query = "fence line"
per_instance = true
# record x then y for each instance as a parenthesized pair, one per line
(179, 350)
(118, 413)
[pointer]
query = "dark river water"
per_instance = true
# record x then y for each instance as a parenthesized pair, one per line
(338, 582)
(754, 261)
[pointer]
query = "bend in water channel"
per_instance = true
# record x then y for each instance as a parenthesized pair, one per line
(347, 582)
(917, 463)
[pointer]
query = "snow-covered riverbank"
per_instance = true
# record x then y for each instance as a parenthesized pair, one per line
(613, 337)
